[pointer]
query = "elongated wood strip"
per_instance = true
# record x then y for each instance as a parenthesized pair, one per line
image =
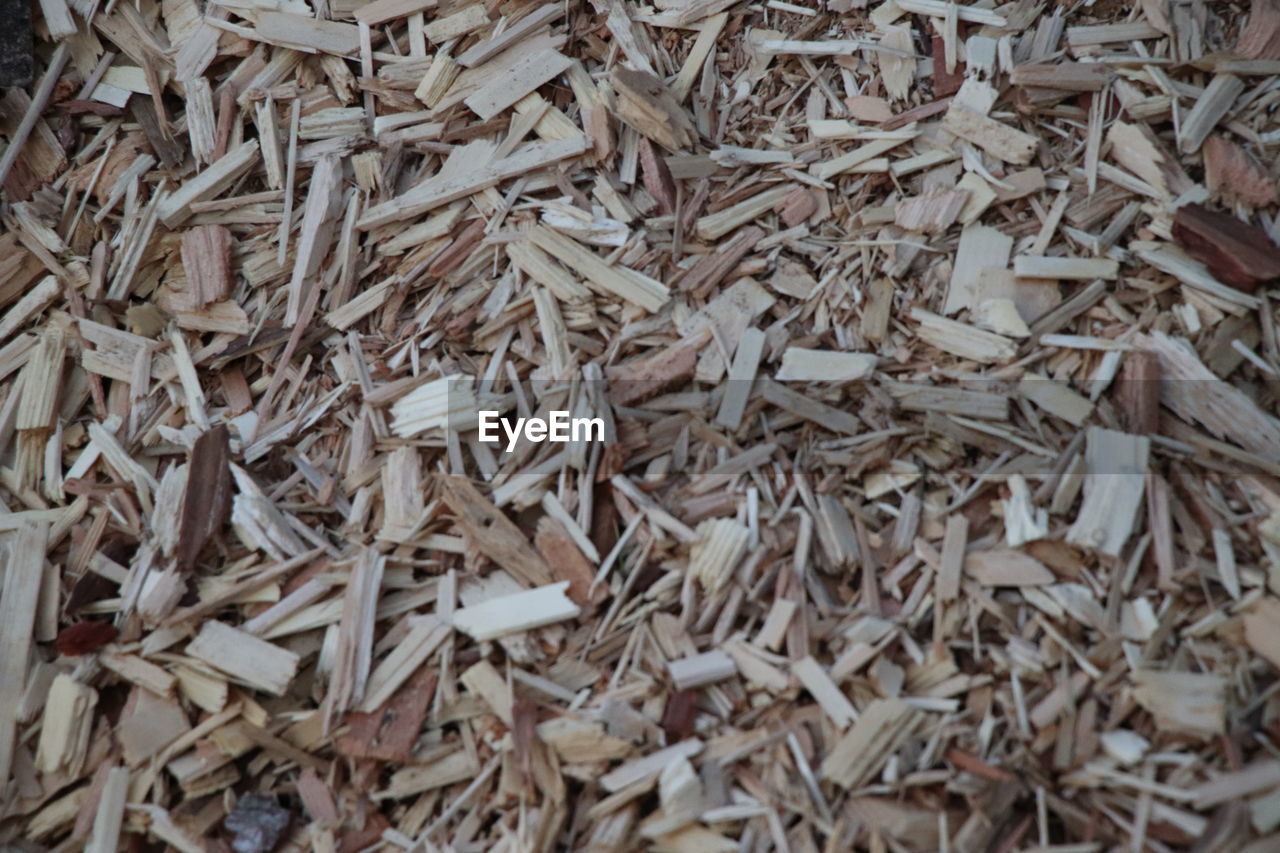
(175, 208)
(700, 670)
(819, 684)
(953, 547)
(628, 284)
(648, 767)
(863, 751)
(489, 530)
(22, 583)
(298, 32)
(1107, 33)
(109, 818)
(1210, 108)
(354, 654)
(803, 406)
(1085, 269)
(426, 635)
(483, 51)
(442, 189)
(962, 339)
(1118, 464)
(511, 84)
(206, 501)
(520, 611)
(716, 225)
(381, 11)
(256, 662)
(940, 9)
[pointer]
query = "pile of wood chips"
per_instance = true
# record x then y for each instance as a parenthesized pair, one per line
(938, 507)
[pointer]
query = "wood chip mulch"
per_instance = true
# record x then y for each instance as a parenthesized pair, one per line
(935, 504)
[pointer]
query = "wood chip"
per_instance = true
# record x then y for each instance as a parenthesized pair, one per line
(920, 484)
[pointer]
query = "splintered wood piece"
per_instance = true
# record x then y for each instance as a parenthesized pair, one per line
(981, 249)
(259, 664)
(961, 339)
(1060, 400)
(206, 259)
(566, 549)
(820, 686)
(1194, 393)
(1169, 258)
(897, 68)
(108, 818)
(657, 177)
(323, 199)
(930, 214)
(1235, 252)
(1259, 776)
(425, 636)
(511, 83)
(1211, 107)
(42, 379)
(863, 751)
(463, 181)
(701, 670)
(811, 365)
(645, 104)
(175, 208)
(646, 768)
(449, 27)
(1108, 33)
(917, 397)
(712, 268)
(1116, 465)
(354, 653)
(24, 568)
(953, 561)
(65, 727)
(807, 408)
(299, 32)
(519, 611)
(1138, 392)
(490, 532)
(715, 225)
(1006, 568)
(483, 680)
(444, 403)
(206, 502)
(32, 302)
(997, 139)
(1084, 269)
(718, 552)
(1069, 76)
(483, 51)
(438, 79)
(742, 373)
(628, 284)
(1183, 702)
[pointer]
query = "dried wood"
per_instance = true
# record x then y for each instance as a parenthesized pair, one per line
(1239, 254)
(930, 375)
